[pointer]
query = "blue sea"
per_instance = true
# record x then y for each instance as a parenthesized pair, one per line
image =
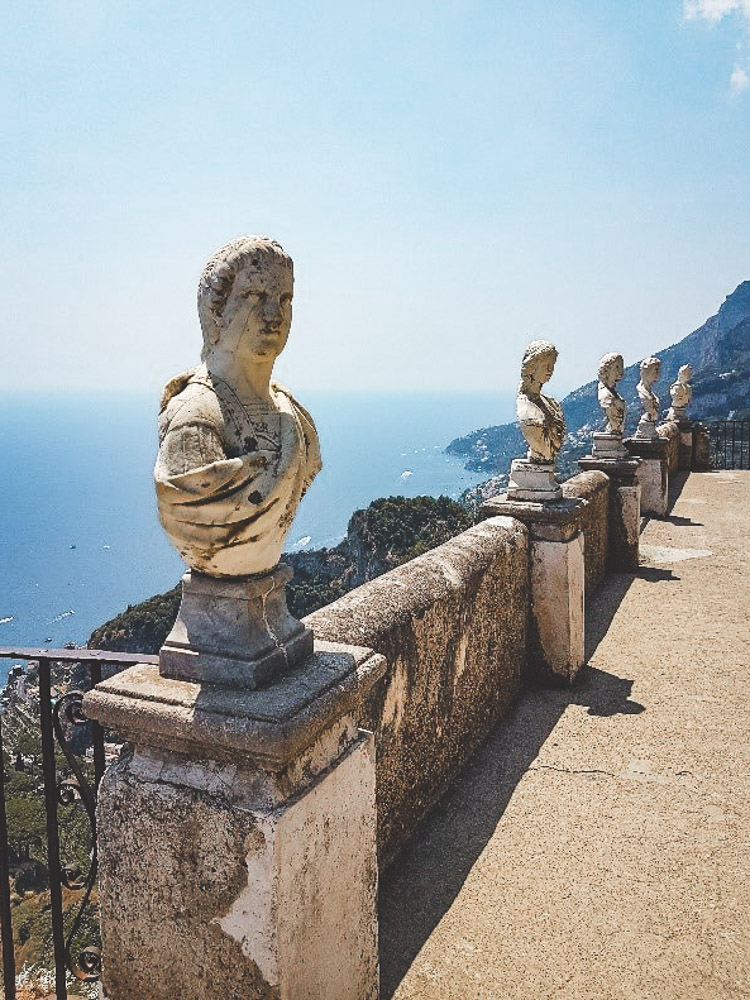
(79, 538)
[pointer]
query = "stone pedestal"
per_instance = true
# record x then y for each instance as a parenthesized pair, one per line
(608, 446)
(653, 473)
(557, 581)
(701, 448)
(236, 632)
(533, 481)
(237, 843)
(685, 453)
(624, 509)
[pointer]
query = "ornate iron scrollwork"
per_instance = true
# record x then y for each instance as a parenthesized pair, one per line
(68, 715)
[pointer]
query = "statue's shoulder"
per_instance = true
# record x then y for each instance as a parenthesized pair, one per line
(528, 411)
(299, 409)
(189, 399)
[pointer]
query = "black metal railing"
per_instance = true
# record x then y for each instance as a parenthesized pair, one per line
(730, 443)
(66, 780)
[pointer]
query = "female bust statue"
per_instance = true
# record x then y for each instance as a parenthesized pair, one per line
(611, 370)
(540, 417)
(650, 370)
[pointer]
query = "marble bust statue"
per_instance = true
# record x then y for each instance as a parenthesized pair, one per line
(236, 450)
(236, 454)
(681, 394)
(540, 417)
(611, 370)
(608, 444)
(542, 424)
(650, 369)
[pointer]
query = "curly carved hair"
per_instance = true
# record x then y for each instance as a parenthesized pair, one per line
(219, 275)
(606, 364)
(649, 363)
(537, 349)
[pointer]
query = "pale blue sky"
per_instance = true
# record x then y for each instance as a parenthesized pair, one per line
(452, 179)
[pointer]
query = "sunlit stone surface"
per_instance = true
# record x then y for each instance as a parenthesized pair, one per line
(650, 370)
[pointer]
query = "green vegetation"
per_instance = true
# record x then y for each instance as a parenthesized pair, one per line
(389, 532)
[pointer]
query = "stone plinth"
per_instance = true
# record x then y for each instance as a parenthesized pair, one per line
(237, 843)
(236, 632)
(653, 473)
(557, 580)
(685, 454)
(533, 481)
(608, 446)
(624, 509)
(701, 448)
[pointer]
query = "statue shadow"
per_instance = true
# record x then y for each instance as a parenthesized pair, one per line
(425, 878)
(687, 522)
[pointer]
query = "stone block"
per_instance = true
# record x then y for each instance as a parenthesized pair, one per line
(236, 632)
(701, 448)
(653, 473)
(533, 481)
(624, 511)
(557, 588)
(238, 843)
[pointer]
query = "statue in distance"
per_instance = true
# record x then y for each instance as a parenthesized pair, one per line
(608, 444)
(542, 424)
(236, 454)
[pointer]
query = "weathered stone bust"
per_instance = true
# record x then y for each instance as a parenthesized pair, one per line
(542, 424)
(236, 450)
(236, 454)
(611, 370)
(650, 370)
(681, 394)
(540, 417)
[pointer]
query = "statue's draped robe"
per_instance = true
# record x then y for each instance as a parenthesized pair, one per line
(542, 424)
(226, 493)
(613, 407)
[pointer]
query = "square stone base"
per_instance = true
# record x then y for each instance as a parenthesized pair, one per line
(653, 474)
(234, 632)
(624, 510)
(608, 446)
(533, 481)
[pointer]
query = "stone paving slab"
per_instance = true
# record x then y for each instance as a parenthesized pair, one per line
(597, 846)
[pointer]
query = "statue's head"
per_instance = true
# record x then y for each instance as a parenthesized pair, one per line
(611, 369)
(650, 368)
(685, 373)
(245, 298)
(538, 362)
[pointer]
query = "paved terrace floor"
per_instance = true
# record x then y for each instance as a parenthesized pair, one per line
(597, 846)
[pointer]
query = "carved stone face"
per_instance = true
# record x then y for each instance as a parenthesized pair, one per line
(685, 373)
(257, 316)
(650, 374)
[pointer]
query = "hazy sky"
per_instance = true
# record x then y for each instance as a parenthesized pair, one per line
(452, 177)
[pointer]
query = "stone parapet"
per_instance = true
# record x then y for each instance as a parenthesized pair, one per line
(453, 627)
(594, 488)
(653, 470)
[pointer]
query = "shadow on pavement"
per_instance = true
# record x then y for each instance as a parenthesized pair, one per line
(422, 883)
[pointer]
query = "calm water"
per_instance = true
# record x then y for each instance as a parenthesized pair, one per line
(79, 539)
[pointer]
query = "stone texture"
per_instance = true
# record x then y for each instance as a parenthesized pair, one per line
(669, 431)
(653, 472)
(701, 448)
(681, 394)
(208, 897)
(555, 649)
(240, 838)
(237, 632)
(623, 531)
(594, 488)
(452, 625)
(558, 592)
(533, 481)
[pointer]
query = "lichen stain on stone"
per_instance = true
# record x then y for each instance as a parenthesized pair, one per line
(179, 865)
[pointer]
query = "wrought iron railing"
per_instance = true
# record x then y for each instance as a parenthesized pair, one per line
(60, 716)
(730, 443)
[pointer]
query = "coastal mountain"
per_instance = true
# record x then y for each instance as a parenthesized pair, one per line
(389, 532)
(719, 352)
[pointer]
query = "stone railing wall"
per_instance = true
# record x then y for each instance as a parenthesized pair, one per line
(593, 487)
(453, 626)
